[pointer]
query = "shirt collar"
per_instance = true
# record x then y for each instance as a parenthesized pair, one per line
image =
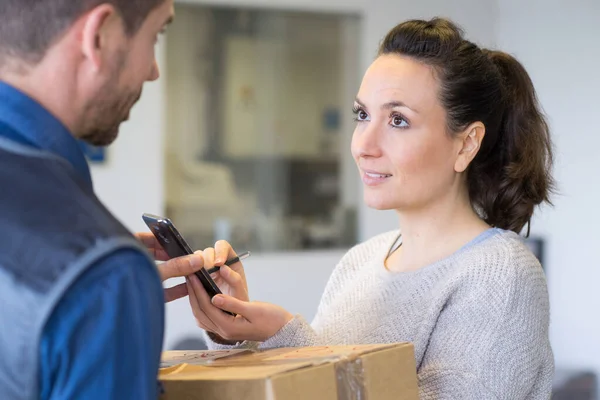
(31, 124)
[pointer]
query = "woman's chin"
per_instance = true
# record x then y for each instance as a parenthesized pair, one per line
(377, 203)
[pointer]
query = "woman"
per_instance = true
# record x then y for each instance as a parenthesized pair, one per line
(450, 136)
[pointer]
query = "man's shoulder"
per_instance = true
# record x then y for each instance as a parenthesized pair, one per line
(117, 303)
(126, 258)
(120, 280)
(124, 272)
(51, 223)
(134, 266)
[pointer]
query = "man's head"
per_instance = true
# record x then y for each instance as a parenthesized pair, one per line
(96, 53)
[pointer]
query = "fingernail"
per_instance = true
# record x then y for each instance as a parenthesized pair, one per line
(218, 260)
(218, 301)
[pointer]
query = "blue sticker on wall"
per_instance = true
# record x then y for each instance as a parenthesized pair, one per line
(94, 154)
(331, 119)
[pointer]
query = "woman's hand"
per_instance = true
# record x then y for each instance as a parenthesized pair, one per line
(254, 321)
(231, 280)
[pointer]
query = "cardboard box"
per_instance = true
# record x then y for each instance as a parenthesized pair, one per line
(368, 372)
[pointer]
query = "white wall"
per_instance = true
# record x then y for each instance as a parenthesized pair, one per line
(130, 182)
(558, 42)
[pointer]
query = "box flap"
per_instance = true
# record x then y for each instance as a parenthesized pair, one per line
(246, 364)
(186, 372)
(194, 357)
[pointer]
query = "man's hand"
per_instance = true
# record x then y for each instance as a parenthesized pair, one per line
(153, 246)
(172, 268)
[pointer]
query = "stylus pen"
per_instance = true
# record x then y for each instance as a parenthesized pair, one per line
(234, 260)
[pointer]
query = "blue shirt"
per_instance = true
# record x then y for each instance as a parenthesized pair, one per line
(104, 338)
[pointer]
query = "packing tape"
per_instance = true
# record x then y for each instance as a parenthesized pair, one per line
(350, 379)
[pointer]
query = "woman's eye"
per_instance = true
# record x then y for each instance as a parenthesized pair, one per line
(360, 115)
(399, 122)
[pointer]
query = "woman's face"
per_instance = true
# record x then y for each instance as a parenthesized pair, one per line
(401, 146)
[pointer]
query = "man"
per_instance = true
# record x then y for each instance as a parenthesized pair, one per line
(81, 302)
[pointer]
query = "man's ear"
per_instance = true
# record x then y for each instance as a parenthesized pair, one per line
(102, 28)
(470, 143)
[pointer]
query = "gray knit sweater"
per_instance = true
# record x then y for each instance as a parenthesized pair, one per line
(478, 319)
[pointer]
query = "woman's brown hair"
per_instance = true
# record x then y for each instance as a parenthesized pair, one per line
(511, 173)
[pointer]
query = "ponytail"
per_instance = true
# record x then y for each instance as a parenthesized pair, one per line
(520, 179)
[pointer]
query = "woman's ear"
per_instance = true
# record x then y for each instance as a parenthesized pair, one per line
(470, 143)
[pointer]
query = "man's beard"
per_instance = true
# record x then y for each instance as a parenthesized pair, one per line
(110, 108)
(105, 116)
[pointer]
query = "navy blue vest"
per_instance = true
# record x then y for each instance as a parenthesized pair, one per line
(52, 229)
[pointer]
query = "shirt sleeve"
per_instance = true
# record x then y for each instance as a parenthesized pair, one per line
(104, 338)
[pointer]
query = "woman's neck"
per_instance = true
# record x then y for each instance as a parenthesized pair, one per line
(434, 233)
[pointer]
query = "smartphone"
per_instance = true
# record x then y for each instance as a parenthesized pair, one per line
(175, 246)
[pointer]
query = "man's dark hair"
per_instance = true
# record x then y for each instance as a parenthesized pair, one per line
(29, 27)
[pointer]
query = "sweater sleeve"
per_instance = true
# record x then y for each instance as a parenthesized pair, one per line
(298, 332)
(213, 344)
(491, 339)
